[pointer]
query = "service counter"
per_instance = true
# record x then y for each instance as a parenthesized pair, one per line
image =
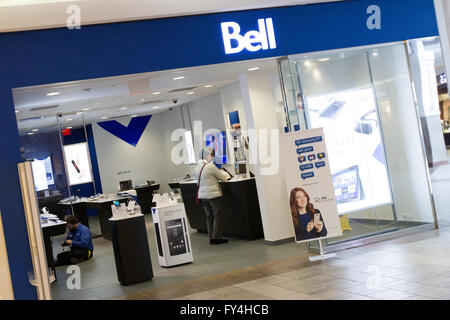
(241, 215)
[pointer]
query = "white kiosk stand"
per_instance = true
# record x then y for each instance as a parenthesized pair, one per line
(172, 235)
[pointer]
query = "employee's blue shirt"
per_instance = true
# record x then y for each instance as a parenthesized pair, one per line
(81, 238)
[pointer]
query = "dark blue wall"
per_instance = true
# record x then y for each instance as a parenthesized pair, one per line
(60, 55)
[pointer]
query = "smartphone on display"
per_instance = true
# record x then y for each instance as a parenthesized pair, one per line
(316, 218)
(75, 166)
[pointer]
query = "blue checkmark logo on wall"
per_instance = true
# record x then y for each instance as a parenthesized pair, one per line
(130, 134)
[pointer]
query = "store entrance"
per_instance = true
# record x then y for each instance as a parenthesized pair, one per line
(136, 140)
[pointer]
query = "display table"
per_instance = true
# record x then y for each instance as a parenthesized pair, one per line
(51, 229)
(131, 249)
(103, 207)
(51, 203)
(144, 195)
(241, 216)
(79, 210)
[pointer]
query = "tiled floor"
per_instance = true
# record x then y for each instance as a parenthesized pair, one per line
(413, 267)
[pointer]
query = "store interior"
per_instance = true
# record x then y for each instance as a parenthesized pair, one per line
(103, 138)
(162, 111)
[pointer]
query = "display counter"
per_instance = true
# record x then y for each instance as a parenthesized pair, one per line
(51, 203)
(102, 204)
(51, 229)
(241, 216)
(144, 195)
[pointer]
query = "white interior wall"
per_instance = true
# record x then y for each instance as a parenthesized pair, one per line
(120, 161)
(230, 97)
(151, 158)
(208, 111)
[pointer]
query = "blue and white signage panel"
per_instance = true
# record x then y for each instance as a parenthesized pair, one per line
(59, 55)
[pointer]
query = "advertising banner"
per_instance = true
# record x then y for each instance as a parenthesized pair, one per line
(309, 185)
(77, 163)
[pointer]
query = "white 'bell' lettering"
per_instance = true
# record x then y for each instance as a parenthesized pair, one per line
(253, 40)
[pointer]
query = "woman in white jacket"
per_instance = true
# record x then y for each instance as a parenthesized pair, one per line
(210, 193)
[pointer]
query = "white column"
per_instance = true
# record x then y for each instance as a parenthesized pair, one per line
(260, 108)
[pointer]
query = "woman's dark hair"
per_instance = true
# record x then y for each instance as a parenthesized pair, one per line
(294, 207)
(72, 220)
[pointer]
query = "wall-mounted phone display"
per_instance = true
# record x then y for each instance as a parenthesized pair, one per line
(77, 163)
(42, 173)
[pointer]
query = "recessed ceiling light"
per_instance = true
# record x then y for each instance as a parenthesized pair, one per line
(157, 92)
(86, 109)
(123, 108)
(324, 59)
(307, 63)
(208, 86)
(155, 107)
(103, 118)
(178, 78)
(190, 92)
(30, 133)
(142, 100)
(17, 111)
(52, 93)
(375, 54)
(253, 69)
(35, 130)
(69, 119)
(79, 113)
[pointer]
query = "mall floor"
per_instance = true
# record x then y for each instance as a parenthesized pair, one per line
(411, 267)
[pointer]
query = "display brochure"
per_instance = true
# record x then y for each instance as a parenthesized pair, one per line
(310, 191)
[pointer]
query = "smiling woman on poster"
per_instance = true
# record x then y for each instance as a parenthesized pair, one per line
(307, 220)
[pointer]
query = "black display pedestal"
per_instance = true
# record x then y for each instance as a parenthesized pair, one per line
(145, 196)
(131, 250)
(49, 231)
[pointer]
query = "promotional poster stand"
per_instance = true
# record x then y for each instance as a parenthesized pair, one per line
(321, 255)
(310, 190)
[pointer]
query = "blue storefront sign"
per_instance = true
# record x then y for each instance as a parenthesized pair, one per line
(59, 55)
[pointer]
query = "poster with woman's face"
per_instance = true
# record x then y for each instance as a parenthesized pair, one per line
(310, 191)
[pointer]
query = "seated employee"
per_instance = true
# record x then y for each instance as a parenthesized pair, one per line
(80, 241)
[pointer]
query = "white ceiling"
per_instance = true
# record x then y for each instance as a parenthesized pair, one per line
(105, 98)
(17, 15)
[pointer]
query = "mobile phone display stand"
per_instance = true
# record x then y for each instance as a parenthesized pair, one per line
(322, 256)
